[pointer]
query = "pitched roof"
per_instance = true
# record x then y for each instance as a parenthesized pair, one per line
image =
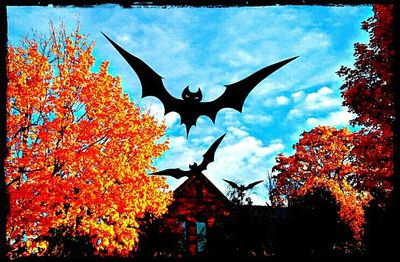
(200, 176)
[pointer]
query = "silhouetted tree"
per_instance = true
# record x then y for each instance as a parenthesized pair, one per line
(313, 228)
(222, 237)
(240, 194)
(63, 243)
(245, 233)
(376, 226)
(159, 238)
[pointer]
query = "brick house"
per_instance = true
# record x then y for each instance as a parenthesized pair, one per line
(198, 202)
(205, 222)
(209, 222)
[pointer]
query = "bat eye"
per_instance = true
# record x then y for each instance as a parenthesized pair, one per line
(189, 96)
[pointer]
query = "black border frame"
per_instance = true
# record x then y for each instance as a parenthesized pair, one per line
(393, 218)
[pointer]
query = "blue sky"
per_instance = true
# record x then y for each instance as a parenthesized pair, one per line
(212, 47)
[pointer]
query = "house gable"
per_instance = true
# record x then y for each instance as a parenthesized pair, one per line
(197, 199)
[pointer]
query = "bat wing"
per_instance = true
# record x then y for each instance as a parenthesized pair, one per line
(232, 184)
(250, 186)
(151, 82)
(235, 94)
(233, 97)
(208, 157)
(174, 172)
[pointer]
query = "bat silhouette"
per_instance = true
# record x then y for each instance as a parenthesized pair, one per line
(194, 169)
(242, 188)
(190, 106)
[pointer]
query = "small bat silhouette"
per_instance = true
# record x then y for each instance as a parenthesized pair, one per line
(194, 169)
(190, 106)
(242, 188)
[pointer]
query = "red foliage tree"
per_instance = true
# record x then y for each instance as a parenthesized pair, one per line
(368, 88)
(354, 167)
(369, 93)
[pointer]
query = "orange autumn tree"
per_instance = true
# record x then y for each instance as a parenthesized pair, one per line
(323, 159)
(79, 150)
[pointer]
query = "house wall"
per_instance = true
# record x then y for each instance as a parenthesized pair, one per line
(197, 201)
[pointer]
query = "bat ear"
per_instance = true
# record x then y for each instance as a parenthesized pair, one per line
(199, 94)
(186, 93)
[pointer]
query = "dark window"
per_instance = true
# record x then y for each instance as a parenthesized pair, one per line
(183, 226)
(183, 238)
(201, 236)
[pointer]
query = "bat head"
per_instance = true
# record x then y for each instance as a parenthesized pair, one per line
(193, 97)
(193, 167)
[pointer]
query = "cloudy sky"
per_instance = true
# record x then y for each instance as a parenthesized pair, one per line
(212, 47)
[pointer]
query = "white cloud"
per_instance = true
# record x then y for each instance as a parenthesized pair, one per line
(157, 110)
(270, 86)
(325, 91)
(180, 154)
(282, 100)
(273, 147)
(294, 113)
(237, 132)
(178, 142)
(245, 159)
(313, 40)
(124, 39)
(240, 157)
(203, 140)
(238, 57)
(276, 141)
(322, 99)
(171, 119)
(259, 119)
(269, 102)
(226, 117)
(269, 45)
(297, 96)
(337, 118)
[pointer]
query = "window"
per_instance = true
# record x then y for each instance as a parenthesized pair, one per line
(183, 239)
(201, 236)
(183, 227)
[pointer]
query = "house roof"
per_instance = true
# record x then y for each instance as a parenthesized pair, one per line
(200, 176)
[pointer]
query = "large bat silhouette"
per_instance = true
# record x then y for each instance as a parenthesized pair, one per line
(190, 106)
(242, 188)
(194, 169)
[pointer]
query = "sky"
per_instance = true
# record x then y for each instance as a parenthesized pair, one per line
(213, 47)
